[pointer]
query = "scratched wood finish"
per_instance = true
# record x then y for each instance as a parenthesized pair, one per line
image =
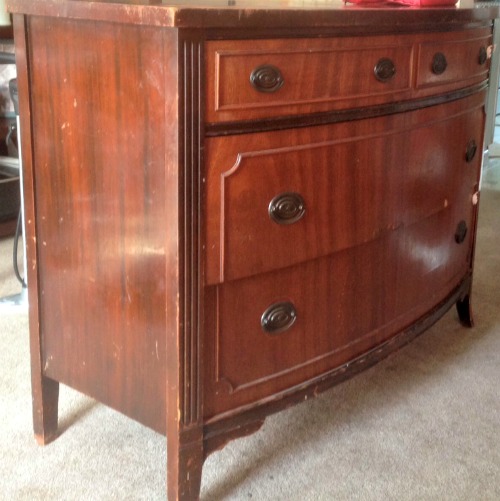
(152, 254)
(99, 184)
(45, 391)
(246, 20)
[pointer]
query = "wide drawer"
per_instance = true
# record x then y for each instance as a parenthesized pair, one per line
(249, 79)
(275, 200)
(275, 330)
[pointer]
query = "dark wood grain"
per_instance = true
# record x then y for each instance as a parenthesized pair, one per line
(45, 391)
(244, 173)
(251, 415)
(184, 327)
(277, 15)
(336, 116)
(99, 187)
(202, 253)
(346, 63)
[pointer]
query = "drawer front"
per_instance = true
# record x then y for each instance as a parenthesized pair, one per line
(251, 79)
(275, 77)
(276, 330)
(453, 62)
(280, 199)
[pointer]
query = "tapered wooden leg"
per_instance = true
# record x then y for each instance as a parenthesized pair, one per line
(464, 310)
(184, 467)
(45, 394)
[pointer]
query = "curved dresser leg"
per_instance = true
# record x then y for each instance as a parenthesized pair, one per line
(464, 310)
(45, 394)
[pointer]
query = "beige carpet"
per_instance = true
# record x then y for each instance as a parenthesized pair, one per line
(422, 425)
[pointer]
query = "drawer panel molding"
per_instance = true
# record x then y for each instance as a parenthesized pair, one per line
(248, 80)
(309, 195)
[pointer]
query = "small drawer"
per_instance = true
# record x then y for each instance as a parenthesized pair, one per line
(270, 78)
(456, 62)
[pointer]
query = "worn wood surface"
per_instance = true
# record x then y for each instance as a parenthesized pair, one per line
(99, 181)
(276, 14)
(152, 255)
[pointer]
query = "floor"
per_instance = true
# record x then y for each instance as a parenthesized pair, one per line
(491, 175)
(491, 172)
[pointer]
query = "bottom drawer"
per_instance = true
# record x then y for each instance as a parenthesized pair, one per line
(272, 331)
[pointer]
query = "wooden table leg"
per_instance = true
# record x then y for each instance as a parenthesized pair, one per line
(184, 468)
(45, 394)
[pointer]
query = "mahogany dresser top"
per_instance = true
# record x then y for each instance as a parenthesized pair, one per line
(255, 13)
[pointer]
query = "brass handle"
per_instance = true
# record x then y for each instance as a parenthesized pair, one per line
(384, 70)
(470, 151)
(483, 55)
(279, 317)
(461, 232)
(439, 63)
(287, 208)
(267, 78)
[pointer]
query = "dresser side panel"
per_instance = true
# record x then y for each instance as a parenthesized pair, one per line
(98, 118)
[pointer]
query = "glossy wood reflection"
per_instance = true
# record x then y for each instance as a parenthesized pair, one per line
(229, 210)
(100, 197)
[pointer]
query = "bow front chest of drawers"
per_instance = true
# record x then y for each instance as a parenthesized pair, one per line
(229, 209)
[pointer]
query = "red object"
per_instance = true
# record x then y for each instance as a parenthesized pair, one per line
(424, 3)
(415, 3)
(366, 1)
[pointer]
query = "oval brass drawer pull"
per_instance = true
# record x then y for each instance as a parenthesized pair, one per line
(483, 55)
(287, 208)
(279, 317)
(267, 78)
(470, 151)
(439, 63)
(461, 232)
(384, 70)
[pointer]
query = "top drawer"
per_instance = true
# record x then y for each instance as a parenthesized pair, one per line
(458, 61)
(252, 79)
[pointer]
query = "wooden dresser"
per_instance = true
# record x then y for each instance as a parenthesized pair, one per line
(230, 208)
